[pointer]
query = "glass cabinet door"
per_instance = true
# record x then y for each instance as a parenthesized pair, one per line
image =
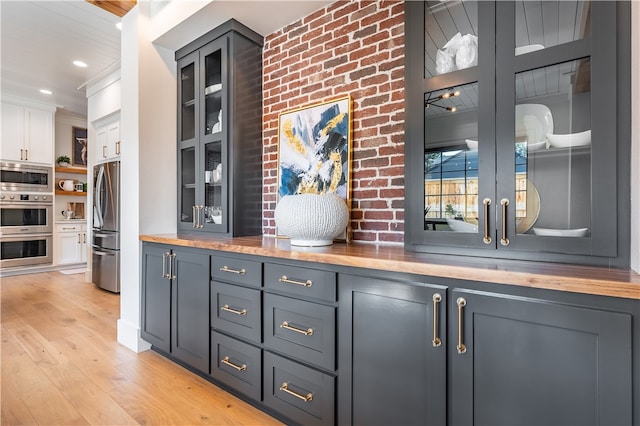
(213, 210)
(187, 138)
(551, 201)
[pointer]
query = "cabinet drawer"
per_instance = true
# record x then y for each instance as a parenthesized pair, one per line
(236, 270)
(236, 310)
(236, 364)
(70, 227)
(302, 330)
(303, 394)
(301, 281)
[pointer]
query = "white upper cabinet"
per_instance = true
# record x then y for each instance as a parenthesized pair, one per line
(107, 142)
(27, 133)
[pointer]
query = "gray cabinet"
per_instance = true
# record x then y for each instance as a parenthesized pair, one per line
(521, 361)
(156, 297)
(392, 354)
(219, 132)
(175, 303)
(517, 131)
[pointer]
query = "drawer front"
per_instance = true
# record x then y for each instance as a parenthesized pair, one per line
(236, 310)
(236, 364)
(70, 227)
(236, 270)
(301, 281)
(303, 394)
(302, 330)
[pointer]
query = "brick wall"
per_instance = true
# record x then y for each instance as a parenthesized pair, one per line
(356, 48)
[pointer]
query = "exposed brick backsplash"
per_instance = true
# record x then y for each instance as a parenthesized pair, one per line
(355, 48)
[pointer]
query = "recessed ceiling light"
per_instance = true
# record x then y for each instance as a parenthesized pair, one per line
(46, 92)
(79, 64)
(119, 25)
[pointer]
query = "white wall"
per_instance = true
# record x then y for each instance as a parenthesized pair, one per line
(148, 158)
(635, 136)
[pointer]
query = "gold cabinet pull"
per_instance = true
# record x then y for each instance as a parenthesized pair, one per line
(286, 326)
(225, 268)
(26, 154)
(306, 398)
(504, 240)
(226, 361)
(118, 148)
(104, 151)
(234, 311)
(195, 218)
(172, 264)
(164, 264)
(437, 298)
(461, 302)
(22, 155)
(284, 279)
(487, 235)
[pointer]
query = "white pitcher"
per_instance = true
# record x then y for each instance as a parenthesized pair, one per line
(66, 185)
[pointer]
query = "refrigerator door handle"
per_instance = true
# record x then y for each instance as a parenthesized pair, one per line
(97, 197)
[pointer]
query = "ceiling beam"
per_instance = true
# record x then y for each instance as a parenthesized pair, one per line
(117, 7)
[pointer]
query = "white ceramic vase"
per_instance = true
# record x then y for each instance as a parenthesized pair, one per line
(311, 219)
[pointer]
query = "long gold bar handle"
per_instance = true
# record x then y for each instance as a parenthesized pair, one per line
(286, 326)
(195, 216)
(306, 398)
(164, 265)
(225, 268)
(504, 240)
(118, 148)
(284, 279)
(437, 298)
(172, 265)
(234, 311)
(226, 361)
(461, 304)
(487, 235)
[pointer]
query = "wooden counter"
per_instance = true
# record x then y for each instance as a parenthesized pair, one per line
(572, 278)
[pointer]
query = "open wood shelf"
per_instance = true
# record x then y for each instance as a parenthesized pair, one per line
(74, 193)
(74, 170)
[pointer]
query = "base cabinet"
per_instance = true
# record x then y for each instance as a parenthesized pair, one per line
(392, 372)
(175, 303)
(530, 361)
(70, 244)
(320, 345)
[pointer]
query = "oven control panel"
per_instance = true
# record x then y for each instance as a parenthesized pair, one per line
(27, 198)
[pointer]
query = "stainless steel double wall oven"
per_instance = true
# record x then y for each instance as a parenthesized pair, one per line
(26, 214)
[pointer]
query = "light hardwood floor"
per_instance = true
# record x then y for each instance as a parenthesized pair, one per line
(61, 365)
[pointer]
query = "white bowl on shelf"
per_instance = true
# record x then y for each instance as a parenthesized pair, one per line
(528, 48)
(569, 140)
(550, 232)
(536, 146)
(533, 121)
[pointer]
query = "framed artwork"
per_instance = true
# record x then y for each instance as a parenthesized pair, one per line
(79, 147)
(314, 149)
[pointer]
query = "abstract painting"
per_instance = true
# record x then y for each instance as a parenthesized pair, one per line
(314, 149)
(79, 147)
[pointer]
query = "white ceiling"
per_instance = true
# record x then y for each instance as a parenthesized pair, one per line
(41, 39)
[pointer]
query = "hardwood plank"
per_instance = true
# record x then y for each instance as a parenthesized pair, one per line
(62, 365)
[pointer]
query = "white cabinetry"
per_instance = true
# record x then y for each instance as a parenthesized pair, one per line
(107, 142)
(27, 133)
(70, 243)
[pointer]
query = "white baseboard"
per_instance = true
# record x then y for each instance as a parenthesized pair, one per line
(129, 336)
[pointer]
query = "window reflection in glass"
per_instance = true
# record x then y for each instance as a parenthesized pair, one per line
(543, 24)
(553, 150)
(451, 159)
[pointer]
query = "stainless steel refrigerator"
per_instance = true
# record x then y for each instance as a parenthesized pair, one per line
(106, 226)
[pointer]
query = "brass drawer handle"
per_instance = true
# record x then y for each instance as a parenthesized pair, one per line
(306, 398)
(226, 361)
(286, 326)
(437, 298)
(233, 311)
(225, 268)
(461, 304)
(284, 279)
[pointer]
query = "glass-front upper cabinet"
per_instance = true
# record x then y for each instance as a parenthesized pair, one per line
(219, 132)
(202, 151)
(513, 130)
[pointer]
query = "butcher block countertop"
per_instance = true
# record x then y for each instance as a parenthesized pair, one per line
(572, 278)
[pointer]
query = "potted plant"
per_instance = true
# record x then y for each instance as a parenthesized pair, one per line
(63, 161)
